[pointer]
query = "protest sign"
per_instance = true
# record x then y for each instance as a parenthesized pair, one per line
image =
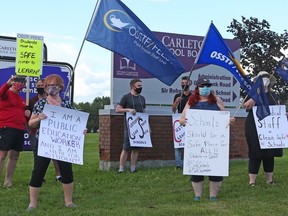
(138, 129)
(178, 132)
(29, 55)
(206, 150)
(272, 130)
(61, 134)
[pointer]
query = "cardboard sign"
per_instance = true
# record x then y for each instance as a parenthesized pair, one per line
(272, 130)
(206, 149)
(138, 129)
(61, 134)
(29, 55)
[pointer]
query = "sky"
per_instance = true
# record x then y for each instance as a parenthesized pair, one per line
(64, 24)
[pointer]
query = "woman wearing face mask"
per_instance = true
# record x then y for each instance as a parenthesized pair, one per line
(204, 99)
(12, 125)
(54, 84)
(41, 93)
(255, 153)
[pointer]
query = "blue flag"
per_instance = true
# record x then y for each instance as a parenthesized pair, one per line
(282, 69)
(257, 93)
(116, 28)
(214, 50)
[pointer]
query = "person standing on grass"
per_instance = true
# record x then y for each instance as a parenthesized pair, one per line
(54, 84)
(132, 102)
(204, 99)
(12, 125)
(255, 153)
(32, 131)
(179, 103)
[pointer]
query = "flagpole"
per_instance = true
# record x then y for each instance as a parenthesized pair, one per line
(78, 56)
(195, 62)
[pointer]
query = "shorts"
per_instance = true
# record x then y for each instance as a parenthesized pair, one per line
(126, 144)
(11, 138)
(195, 178)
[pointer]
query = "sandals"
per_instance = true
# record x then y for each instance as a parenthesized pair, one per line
(252, 184)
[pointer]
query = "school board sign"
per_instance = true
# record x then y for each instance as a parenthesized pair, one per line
(272, 130)
(61, 134)
(206, 150)
(186, 49)
(7, 69)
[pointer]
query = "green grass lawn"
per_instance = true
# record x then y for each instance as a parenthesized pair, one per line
(155, 191)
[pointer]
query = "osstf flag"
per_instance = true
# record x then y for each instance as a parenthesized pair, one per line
(215, 51)
(282, 69)
(117, 28)
(257, 93)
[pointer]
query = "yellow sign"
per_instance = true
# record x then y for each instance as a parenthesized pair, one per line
(29, 57)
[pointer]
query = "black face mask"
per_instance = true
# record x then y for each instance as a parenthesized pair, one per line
(185, 88)
(40, 90)
(138, 90)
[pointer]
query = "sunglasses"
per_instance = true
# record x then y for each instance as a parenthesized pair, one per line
(204, 85)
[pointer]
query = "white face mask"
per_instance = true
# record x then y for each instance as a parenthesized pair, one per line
(266, 81)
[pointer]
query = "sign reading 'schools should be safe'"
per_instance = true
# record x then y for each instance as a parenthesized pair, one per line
(206, 150)
(61, 134)
(138, 129)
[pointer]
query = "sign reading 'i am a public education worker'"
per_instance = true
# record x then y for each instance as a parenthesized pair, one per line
(29, 55)
(61, 134)
(206, 150)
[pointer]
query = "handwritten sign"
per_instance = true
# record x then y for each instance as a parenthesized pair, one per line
(138, 129)
(29, 56)
(206, 149)
(272, 130)
(61, 134)
(178, 132)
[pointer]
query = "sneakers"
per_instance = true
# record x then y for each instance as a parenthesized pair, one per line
(58, 178)
(270, 183)
(29, 209)
(213, 199)
(197, 198)
(71, 205)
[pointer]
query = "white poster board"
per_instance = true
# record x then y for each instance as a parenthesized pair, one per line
(61, 134)
(178, 132)
(272, 130)
(138, 129)
(206, 149)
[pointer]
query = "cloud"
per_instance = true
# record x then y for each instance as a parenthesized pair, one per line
(92, 75)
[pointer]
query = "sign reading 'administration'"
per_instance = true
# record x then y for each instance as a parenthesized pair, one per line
(61, 134)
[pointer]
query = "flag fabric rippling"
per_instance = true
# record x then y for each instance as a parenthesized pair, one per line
(116, 28)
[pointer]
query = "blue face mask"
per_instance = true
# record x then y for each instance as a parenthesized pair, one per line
(204, 91)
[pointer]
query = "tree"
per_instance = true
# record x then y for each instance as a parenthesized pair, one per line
(259, 48)
(93, 110)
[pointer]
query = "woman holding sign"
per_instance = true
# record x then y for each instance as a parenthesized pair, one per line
(204, 99)
(54, 84)
(256, 154)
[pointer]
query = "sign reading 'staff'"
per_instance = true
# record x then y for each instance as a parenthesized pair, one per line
(29, 55)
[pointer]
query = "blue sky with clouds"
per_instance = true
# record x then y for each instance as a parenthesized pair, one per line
(64, 23)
